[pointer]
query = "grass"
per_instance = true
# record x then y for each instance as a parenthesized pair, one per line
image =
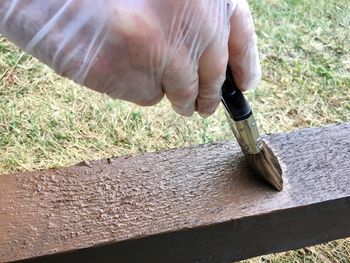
(46, 121)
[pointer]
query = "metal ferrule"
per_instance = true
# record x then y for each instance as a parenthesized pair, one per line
(247, 134)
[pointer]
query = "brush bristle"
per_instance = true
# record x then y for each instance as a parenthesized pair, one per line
(266, 165)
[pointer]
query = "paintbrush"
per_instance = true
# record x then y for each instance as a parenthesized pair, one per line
(242, 122)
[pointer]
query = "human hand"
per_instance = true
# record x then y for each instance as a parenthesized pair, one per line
(139, 50)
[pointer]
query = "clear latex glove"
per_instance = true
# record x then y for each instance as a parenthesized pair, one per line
(137, 50)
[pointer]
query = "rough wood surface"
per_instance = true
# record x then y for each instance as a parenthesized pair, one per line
(199, 204)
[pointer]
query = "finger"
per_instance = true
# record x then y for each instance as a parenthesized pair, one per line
(243, 51)
(212, 68)
(180, 82)
(138, 79)
(213, 64)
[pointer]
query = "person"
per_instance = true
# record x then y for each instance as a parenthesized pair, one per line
(139, 50)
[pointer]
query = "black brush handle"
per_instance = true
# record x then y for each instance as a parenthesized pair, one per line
(234, 100)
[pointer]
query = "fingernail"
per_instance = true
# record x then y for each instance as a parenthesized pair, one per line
(184, 111)
(205, 115)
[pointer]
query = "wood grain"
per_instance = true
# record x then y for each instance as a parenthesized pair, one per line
(198, 204)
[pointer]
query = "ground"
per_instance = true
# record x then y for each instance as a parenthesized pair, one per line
(46, 121)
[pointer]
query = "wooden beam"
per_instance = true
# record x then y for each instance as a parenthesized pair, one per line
(198, 204)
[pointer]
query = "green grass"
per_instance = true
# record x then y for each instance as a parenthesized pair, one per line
(46, 121)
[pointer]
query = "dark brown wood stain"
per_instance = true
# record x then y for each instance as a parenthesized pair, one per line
(198, 204)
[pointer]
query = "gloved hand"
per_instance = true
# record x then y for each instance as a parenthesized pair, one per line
(137, 50)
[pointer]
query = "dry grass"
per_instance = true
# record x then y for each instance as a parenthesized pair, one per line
(46, 121)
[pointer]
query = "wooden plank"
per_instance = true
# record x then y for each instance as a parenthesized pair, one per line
(198, 204)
